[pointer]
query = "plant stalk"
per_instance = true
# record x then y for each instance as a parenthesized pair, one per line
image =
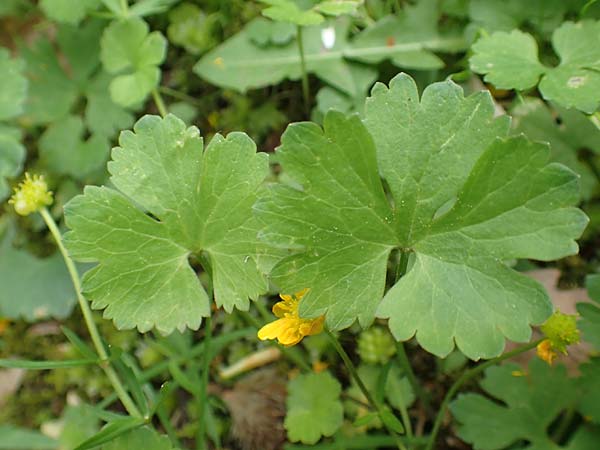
(160, 104)
(203, 397)
(466, 376)
(120, 390)
(305, 87)
(354, 374)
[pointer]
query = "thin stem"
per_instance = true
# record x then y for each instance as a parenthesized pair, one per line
(160, 104)
(466, 376)
(404, 363)
(402, 265)
(89, 319)
(305, 87)
(125, 7)
(354, 374)
(202, 398)
(405, 416)
(179, 95)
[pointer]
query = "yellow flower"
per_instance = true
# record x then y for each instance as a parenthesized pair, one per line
(290, 328)
(31, 195)
(546, 352)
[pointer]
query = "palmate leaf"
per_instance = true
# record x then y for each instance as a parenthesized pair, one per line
(533, 118)
(241, 63)
(63, 150)
(453, 208)
(531, 402)
(510, 61)
(314, 408)
(129, 50)
(199, 202)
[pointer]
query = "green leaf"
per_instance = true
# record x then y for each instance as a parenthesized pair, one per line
(530, 403)
(12, 156)
(505, 15)
(112, 431)
(408, 40)
(391, 421)
(53, 90)
(510, 61)
(337, 7)
(13, 89)
(45, 365)
(190, 28)
(397, 391)
(83, 349)
(313, 407)
(13, 438)
(453, 209)
(142, 438)
(246, 62)
(33, 288)
(200, 202)
(128, 46)
(63, 150)
(149, 7)
(103, 117)
(590, 312)
(589, 405)
(538, 122)
(289, 11)
(79, 423)
(68, 11)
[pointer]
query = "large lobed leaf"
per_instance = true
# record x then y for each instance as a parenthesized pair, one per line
(510, 61)
(530, 403)
(173, 200)
(452, 208)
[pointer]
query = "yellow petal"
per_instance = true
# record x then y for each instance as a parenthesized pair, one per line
(286, 297)
(280, 309)
(273, 330)
(290, 337)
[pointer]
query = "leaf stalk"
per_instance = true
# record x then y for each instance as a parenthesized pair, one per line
(466, 376)
(120, 390)
(365, 391)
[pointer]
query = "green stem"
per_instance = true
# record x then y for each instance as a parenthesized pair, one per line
(203, 398)
(125, 7)
(305, 87)
(179, 95)
(89, 319)
(160, 104)
(466, 376)
(402, 265)
(354, 374)
(404, 363)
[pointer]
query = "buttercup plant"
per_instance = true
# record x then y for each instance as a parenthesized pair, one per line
(373, 257)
